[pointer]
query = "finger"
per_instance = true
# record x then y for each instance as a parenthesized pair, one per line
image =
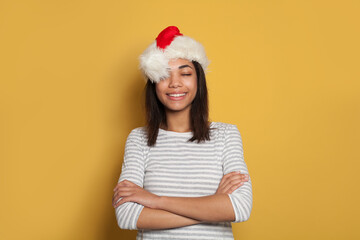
(116, 197)
(123, 200)
(120, 194)
(225, 182)
(226, 187)
(123, 183)
(233, 188)
(232, 183)
(234, 174)
(124, 188)
(238, 172)
(230, 174)
(123, 191)
(226, 177)
(232, 178)
(119, 184)
(243, 177)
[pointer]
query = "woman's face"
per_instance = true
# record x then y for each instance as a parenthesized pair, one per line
(178, 91)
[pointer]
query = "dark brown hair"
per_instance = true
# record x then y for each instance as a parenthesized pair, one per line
(199, 113)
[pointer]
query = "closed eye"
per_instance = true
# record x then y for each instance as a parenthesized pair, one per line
(186, 74)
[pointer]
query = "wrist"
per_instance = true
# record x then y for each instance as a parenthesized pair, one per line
(160, 202)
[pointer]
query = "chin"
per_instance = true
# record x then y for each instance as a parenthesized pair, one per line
(177, 109)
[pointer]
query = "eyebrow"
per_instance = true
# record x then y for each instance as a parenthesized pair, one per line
(184, 66)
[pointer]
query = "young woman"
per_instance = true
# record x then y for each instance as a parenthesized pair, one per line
(183, 177)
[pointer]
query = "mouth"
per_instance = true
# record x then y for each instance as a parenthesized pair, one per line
(176, 96)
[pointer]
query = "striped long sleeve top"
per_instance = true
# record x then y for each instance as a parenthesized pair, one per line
(175, 167)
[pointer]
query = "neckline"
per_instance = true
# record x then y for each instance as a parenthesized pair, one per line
(179, 133)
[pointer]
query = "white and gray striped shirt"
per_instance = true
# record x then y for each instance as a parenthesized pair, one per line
(176, 168)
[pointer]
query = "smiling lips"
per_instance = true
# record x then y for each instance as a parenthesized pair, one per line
(176, 96)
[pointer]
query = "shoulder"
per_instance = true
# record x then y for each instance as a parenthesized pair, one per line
(227, 131)
(222, 126)
(137, 135)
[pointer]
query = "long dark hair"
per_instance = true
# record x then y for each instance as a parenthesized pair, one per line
(199, 113)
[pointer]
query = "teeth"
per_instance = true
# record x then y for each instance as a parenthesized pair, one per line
(177, 95)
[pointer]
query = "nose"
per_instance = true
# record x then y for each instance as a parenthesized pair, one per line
(174, 81)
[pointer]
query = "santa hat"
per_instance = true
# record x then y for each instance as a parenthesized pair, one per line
(170, 44)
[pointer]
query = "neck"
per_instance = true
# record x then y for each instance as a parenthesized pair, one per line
(178, 121)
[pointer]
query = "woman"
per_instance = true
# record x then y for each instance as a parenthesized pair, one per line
(183, 177)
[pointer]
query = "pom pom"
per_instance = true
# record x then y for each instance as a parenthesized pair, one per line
(166, 36)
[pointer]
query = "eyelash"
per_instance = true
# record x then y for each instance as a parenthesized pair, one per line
(186, 74)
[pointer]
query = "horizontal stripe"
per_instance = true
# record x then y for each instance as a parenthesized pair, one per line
(176, 167)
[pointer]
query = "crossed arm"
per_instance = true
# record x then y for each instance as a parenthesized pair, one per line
(140, 209)
(162, 212)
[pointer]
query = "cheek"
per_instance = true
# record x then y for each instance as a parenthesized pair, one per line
(159, 92)
(193, 85)
(157, 89)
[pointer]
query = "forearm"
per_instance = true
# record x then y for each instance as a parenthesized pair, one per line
(213, 208)
(160, 219)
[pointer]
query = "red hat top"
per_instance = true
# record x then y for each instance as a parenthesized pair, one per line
(166, 36)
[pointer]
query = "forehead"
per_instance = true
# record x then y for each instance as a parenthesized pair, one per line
(180, 62)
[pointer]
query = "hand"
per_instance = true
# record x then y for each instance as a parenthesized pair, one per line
(130, 192)
(231, 181)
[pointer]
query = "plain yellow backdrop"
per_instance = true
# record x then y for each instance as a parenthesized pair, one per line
(285, 72)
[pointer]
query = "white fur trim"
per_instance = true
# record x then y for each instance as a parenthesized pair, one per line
(154, 62)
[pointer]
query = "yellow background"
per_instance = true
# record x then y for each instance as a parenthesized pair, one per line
(285, 72)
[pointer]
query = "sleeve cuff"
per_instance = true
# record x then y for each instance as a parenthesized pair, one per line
(137, 212)
(232, 200)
